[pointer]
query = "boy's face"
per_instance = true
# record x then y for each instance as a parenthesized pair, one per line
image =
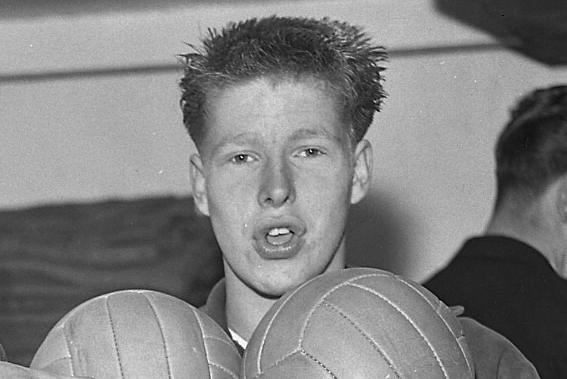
(277, 174)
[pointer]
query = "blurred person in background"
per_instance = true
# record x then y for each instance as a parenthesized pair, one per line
(513, 278)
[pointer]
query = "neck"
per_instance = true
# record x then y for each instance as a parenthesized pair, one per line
(245, 307)
(529, 229)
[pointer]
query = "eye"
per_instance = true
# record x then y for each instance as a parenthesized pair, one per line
(241, 158)
(310, 152)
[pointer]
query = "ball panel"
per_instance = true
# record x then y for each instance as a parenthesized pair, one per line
(180, 336)
(431, 339)
(436, 324)
(409, 325)
(297, 362)
(221, 352)
(397, 292)
(141, 334)
(444, 311)
(383, 328)
(84, 344)
(194, 342)
(359, 356)
(138, 337)
(290, 314)
(44, 358)
(62, 366)
(406, 294)
(268, 348)
(294, 314)
(218, 372)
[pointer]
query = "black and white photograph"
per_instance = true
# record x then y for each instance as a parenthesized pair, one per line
(283, 189)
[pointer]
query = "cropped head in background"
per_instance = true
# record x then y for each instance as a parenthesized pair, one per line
(278, 108)
(531, 173)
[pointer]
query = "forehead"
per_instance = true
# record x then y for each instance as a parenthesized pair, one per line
(276, 108)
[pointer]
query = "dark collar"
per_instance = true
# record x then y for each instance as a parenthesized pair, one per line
(215, 307)
(497, 247)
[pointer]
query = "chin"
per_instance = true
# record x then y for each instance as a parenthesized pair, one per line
(276, 287)
(276, 290)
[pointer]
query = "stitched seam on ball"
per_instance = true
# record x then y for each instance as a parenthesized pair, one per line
(461, 340)
(433, 306)
(438, 315)
(225, 370)
(114, 336)
(68, 346)
(265, 336)
(421, 334)
(324, 297)
(314, 308)
(199, 321)
(375, 345)
(224, 341)
(412, 287)
(277, 363)
(328, 370)
(161, 331)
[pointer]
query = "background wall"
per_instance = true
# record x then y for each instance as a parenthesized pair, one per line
(89, 111)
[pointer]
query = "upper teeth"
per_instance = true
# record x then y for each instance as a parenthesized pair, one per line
(278, 231)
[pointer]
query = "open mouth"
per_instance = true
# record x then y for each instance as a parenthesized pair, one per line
(279, 236)
(279, 239)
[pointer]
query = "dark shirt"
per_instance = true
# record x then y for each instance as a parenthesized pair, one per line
(510, 287)
(493, 355)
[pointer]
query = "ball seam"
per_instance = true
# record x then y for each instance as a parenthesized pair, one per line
(314, 359)
(205, 348)
(223, 341)
(375, 345)
(439, 305)
(324, 297)
(270, 322)
(68, 346)
(276, 363)
(419, 331)
(112, 330)
(161, 331)
(224, 369)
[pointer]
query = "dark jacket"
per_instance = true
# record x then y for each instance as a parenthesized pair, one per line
(510, 287)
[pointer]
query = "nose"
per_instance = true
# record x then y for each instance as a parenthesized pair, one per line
(277, 186)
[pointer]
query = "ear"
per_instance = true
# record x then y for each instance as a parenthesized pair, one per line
(198, 184)
(362, 171)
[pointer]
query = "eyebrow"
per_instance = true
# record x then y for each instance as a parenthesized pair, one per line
(314, 133)
(241, 138)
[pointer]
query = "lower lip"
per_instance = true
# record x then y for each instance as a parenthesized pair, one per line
(285, 251)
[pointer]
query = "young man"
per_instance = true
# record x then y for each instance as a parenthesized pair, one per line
(514, 278)
(278, 108)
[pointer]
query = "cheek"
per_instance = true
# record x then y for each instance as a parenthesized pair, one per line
(225, 189)
(328, 203)
(329, 188)
(230, 203)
